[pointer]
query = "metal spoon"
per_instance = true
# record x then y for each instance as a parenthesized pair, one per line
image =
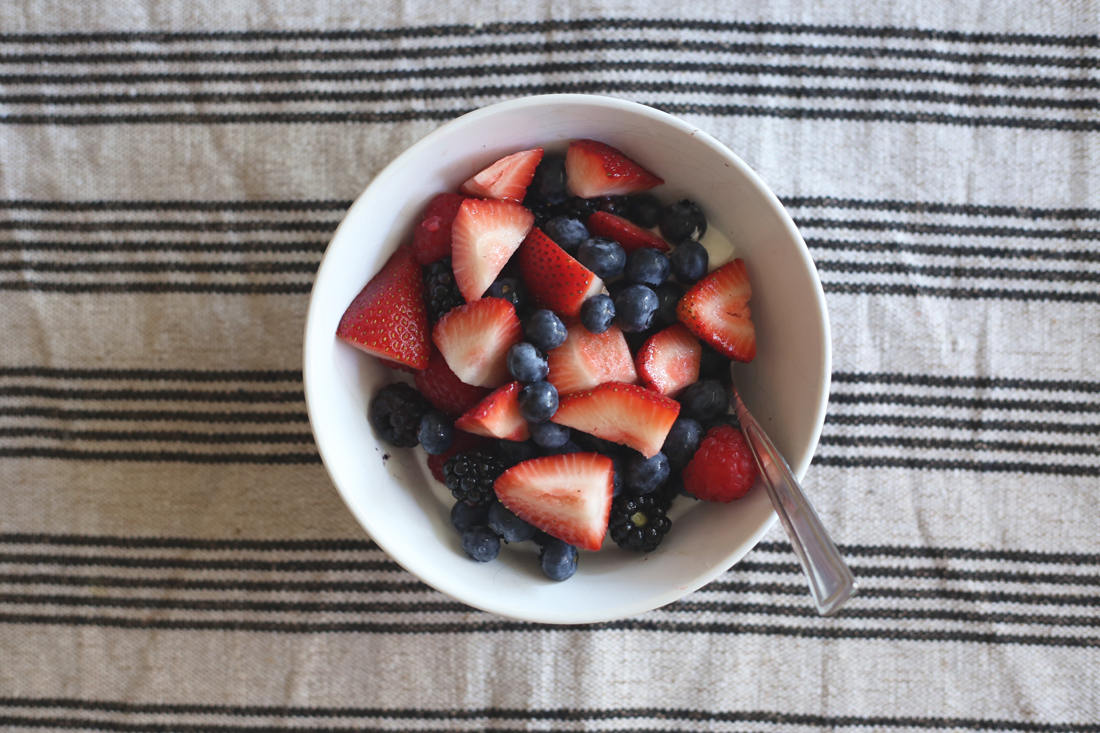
(831, 582)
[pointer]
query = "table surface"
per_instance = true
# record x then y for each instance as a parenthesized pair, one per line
(172, 553)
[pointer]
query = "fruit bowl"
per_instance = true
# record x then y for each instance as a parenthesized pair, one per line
(390, 490)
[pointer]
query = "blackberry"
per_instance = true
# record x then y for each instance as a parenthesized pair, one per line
(470, 476)
(396, 411)
(617, 205)
(441, 292)
(639, 523)
(576, 207)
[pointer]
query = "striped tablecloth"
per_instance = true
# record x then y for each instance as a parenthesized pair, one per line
(173, 556)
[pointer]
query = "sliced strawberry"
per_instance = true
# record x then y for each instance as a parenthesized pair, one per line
(444, 389)
(432, 235)
(622, 413)
(462, 442)
(567, 496)
(388, 318)
(669, 360)
(474, 339)
(588, 359)
(553, 278)
(484, 235)
(628, 234)
(497, 416)
(508, 178)
(595, 169)
(716, 309)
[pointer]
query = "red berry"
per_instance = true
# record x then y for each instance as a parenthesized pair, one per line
(432, 236)
(444, 389)
(723, 468)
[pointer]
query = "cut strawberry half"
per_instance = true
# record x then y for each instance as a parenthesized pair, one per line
(432, 235)
(629, 235)
(462, 442)
(595, 169)
(388, 318)
(588, 359)
(622, 413)
(474, 339)
(442, 387)
(669, 360)
(553, 278)
(497, 416)
(508, 178)
(567, 496)
(716, 309)
(484, 235)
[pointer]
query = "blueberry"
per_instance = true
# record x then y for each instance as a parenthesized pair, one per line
(635, 307)
(549, 434)
(481, 543)
(558, 559)
(526, 363)
(668, 297)
(545, 330)
(603, 256)
(507, 525)
(567, 447)
(598, 313)
(643, 209)
(576, 207)
(548, 183)
(509, 288)
(436, 432)
(703, 400)
(682, 441)
(682, 220)
(647, 266)
(567, 232)
(616, 205)
(713, 365)
(643, 475)
(465, 515)
(538, 401)
(689, 261)
(512, 452)
(618, 464)
(724, 419)
(596, 445)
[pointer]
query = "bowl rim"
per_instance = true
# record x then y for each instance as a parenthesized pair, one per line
(312, 366)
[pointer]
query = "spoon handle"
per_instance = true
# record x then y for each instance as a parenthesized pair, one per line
(831, 582)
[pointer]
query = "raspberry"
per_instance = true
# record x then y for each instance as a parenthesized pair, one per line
(444, 389)
(723, 468)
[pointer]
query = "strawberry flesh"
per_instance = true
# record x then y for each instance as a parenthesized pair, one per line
(589, 359)
(595, 169)
(474, 339)
(432, 235)
(508, 178)
(388, 318)
(622, 413)
(567, 496)
(497, 416)
(444, 389)
(553, 278)
(484, 236)
(669, 360)
(716, 309)
(629, 235)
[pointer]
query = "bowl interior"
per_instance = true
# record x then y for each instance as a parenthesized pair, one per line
(391, 492)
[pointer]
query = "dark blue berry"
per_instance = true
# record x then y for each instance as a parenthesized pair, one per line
(509, 288)
(549, 434)
(643, 475)
(713, 365)
(643, 209)
(579, 208)
(603, 256)
(598, 313)
(508, 526)
(647, 266)
(567, 447)
(618, 464)
(480, 543)
(725, 418)
(689, 261)
(526, 363)
(635, 307)
(558, 559)
(703, 400)
(545, 330)
(548, 183)
(538, 401)
(465, 515)
(668, 297)
(512, 452)
(436, 432)
(567, 232)
(682, 220)
(596, 445)
(682, 441)
(395, 412)
(616, 205)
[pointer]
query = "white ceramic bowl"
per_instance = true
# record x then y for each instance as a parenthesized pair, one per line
(391, 492)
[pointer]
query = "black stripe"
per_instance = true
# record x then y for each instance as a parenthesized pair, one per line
(982, 403)
(906, 593)
(174, 436)
(1028, 254)
(949, 229)
(937, 380)
(938, 207)
(168, 395)
(909, 290)
(172, 375)
(931, 572)
(1012, 446)
(164, 247)
(64, 413)
(909, 421)
(931, 464)
(123, 225)
(162, 288)
(61, 454)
